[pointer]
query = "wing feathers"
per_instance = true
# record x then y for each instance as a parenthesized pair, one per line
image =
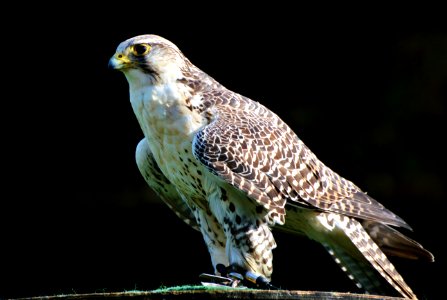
(392, 242)
(251, 148)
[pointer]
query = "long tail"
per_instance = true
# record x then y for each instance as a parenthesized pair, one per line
(355, 256)
(394, 243)
(359, 248)
(359, 270)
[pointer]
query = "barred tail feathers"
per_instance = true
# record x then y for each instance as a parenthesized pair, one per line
(354, 250)
(372, 253)
(394, 243)
(358, 269)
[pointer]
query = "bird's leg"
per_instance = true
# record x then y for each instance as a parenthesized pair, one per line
(252, 245)
(249, 248)
(248, 239)
(215, 240)
(242, 277)
(213, 236)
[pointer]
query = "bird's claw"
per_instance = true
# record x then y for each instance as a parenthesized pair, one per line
(236, 277)
(215, 280)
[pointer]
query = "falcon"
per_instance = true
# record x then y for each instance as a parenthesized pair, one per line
(233, 170)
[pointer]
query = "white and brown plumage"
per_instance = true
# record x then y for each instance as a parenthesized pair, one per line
(234, 170)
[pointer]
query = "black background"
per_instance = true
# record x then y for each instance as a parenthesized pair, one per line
(364, 87)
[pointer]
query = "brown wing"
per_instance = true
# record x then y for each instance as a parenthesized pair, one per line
(251, 148)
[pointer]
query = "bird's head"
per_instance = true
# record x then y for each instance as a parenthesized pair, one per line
(149, 58)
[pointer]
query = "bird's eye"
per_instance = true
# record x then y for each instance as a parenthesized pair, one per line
(140, 49)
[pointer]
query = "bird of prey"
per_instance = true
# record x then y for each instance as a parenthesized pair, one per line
(232, 169)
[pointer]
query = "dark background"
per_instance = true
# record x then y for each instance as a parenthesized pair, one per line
(364, 87)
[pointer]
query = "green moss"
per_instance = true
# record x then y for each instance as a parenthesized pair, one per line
(163, 289)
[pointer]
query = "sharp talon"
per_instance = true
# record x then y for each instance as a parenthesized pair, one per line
(222, 269)
(234, 276)
(216, 281)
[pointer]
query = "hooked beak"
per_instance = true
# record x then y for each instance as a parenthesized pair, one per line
(119, 61)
